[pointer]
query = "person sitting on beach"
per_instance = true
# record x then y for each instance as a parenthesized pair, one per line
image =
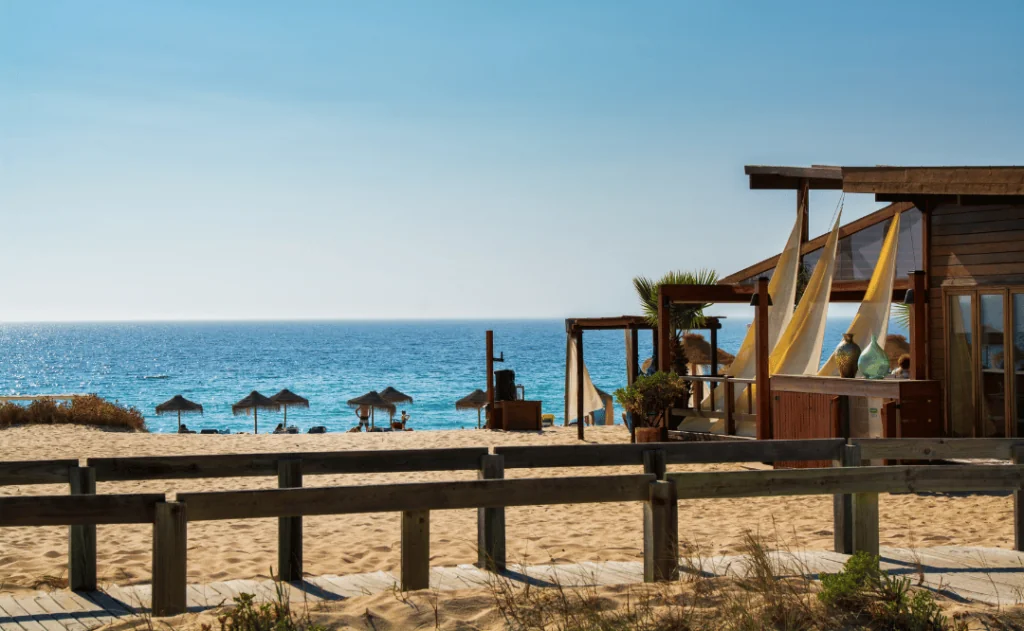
(279, 429)
(902, 369)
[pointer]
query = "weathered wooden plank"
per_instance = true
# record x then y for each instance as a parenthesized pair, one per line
(490, 524)
(14, 618)
(416, 496)
(289, 529)
(82, 539)
(936, 448)
(69, 613)
(67, 510)
(865, 522)
(895, 479)
(40, 615)
(170, 545)
(35, 472)
(313, 463)
(661, 533)
(675, 453)
(415, 561)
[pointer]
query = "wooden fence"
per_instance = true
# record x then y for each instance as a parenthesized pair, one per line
(855, 489)
(730, 399)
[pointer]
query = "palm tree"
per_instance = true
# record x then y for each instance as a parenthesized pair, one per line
(684, 316)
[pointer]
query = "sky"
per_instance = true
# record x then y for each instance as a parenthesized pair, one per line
(272, 160)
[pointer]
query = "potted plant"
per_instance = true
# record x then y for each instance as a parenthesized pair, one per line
(648, 401)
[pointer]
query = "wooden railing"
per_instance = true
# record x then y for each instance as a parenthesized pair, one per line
(855, 491)
(729, 398)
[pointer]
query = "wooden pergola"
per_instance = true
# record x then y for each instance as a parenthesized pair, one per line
(575, 327)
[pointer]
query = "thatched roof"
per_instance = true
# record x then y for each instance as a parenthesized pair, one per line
(391, 395)
(288, 398)
(472, 401)
(896, 345)
(371, 399)
(177, 404)
(255, 400)
(698, 351)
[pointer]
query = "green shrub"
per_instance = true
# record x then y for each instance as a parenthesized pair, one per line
(863, 590)
(650, 396)
(85, 410)
(273, 616)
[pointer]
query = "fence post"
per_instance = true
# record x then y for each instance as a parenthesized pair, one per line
(490, 522)
(865, 514)
(289, 529)
(170, 543)
(654, 463)
(661, 533)
(82, 539)
(842, 504)
(1017, 453)
(415, 550)
(728, 405)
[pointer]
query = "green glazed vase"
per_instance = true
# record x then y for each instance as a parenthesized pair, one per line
(847, 354)
(874, 363)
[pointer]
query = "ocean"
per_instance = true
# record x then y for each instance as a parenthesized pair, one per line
(218, 363)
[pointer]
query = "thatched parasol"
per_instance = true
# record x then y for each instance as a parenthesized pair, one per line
(391, 395)
(475, 400)
(698, 351)
(178, 404)
(374, 401)
(288, 398)
(255, 402)
(896, 345)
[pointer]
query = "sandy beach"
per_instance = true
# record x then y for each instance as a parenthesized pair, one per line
(363, 543)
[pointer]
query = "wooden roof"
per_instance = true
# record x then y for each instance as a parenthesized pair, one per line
(818, 242)
(891, 183)
(607, 323)
(789, 178)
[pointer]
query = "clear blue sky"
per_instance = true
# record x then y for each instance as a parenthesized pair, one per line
(454, 159)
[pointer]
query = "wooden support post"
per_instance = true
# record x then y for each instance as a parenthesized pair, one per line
(919, 327)
(632, 355)
(842, 505)
(729, 405)
(654, 463)
(654, 348)
(82, 539)
(698, 394)
(170, 544)
(865, 522)
(664, 333)
(579, 384)
(490, 526)
(489, 344)
(415, 550)
(762, 381)
(289, 529)
(803, 206)
(1018, 503)
(713, 334)
(661, 533)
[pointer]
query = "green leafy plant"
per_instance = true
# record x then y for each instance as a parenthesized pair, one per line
(650, 395)
(900, 314)
(246, 615)
(863, 589)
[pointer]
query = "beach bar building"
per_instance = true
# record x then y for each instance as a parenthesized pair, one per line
(949, 244)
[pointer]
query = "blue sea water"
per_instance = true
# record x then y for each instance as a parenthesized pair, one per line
(218, 363)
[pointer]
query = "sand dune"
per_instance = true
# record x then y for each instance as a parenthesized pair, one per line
(364, 543)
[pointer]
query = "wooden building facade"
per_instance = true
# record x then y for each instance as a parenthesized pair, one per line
(964, 227)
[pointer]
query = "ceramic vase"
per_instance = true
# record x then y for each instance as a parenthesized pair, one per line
(874, 363)
(847, 354)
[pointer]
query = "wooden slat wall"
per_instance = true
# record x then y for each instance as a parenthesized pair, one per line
(970, 246)
(803, 415)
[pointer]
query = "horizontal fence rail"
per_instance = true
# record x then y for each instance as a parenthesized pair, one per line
(35, 472)
(894, 479)
(68, 510)
(385, 498)
(675, 453)
(938, 448)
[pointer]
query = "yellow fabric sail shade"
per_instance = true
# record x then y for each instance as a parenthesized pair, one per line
(798, 350)
(873, 315)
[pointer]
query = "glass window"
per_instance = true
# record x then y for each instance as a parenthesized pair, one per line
(993, 363)
(1018, 359)
(961, 366)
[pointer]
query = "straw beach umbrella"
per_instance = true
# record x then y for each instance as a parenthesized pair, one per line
(391, 395)
(255, 402)
(372, 400)
(178, 404)
(288, 398)
(475, 400)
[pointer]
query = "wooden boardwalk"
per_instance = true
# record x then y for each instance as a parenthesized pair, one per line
(988, 575)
